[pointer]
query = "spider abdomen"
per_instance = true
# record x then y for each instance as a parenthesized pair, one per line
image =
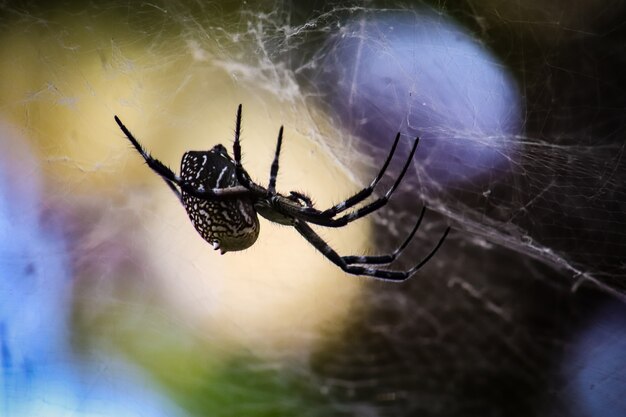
(229, 225)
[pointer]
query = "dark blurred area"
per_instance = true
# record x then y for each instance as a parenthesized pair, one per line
(496, 332)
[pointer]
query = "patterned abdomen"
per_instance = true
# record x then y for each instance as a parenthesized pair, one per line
(229, 225)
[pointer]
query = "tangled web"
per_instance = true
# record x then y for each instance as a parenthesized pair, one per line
(540, 176)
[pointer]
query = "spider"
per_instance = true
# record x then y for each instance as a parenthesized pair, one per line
(222, 202)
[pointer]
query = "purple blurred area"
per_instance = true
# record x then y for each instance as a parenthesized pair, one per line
(419, 73)
(596, 368)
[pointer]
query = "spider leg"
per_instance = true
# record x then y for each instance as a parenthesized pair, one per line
(155, 164)
(302, 197)
(242, 176)
(174, 189)
(365, 192)
(314, 216)
(174, 180)
(385, 259)
(383, 274)
(271, 189)
(237, 144)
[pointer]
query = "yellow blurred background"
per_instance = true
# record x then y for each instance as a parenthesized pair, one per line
(145, 281)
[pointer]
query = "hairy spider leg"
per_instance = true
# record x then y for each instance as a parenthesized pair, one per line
(155, 164)
(173, 179)
(242, 175)
(382, 274)
(174, 189)
(365, 192)
(237, 145)
(303, 197)
(239, 171)
(317, 217)
(386, 259)
(271, 189)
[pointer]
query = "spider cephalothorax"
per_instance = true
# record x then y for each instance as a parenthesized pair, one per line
(222, 202)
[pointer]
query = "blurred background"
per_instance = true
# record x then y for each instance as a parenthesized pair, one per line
(112, 304)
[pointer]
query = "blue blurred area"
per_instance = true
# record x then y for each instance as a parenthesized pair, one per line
(419, 73)
(39, 375)
(596, 369)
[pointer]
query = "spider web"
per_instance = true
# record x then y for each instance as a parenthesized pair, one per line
(520, 113)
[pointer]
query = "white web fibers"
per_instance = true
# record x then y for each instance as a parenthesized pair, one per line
(497, 166)
(521, 151)
(497, 175)
(554, 196)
